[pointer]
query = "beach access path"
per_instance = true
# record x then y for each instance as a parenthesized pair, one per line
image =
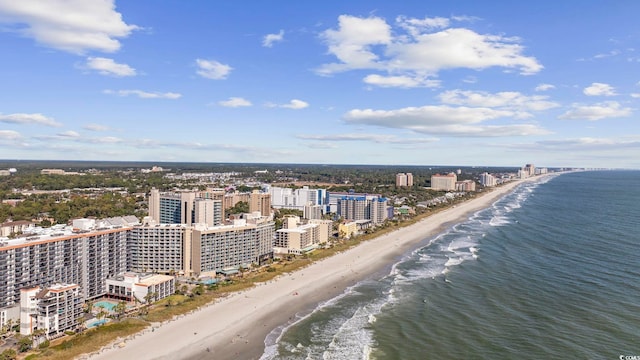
(236, 326)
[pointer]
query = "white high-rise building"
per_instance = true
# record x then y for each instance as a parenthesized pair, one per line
(287, 198)
(488, 180)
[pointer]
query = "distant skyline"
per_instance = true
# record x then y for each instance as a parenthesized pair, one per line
(470, 83)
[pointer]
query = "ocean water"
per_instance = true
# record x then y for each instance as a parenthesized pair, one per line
(550, 271)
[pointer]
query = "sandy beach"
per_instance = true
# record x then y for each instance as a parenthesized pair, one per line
(236, 327)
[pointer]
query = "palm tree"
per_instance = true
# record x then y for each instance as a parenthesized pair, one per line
(120, 308)
(150, 296)
(80, 324)
(101, 314)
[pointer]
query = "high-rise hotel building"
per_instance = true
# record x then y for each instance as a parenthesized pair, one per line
(184, 208)
(90, 252)
(72, 256)
(444, 182)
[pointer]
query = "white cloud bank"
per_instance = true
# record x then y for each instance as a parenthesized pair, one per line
(32, 119)
(599, 89)
(144, 94)
(376, 138)
(418, 49)
(511, 100)
(96, 127)
(444, 120)
(604, 110)
(9, 135)
(76, 26)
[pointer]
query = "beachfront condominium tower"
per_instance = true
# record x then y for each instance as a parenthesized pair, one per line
(287, 198)
(184, 208)
(444, 182)
(487, 180)
(372, 208)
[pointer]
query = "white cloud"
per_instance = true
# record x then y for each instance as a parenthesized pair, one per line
(506, 100)
(544, 87)
(443, 120)
(295, 104)
(9, 135)
(605, 55)
(353, 41)
(69, 134)
(609, 109)
(470, 80)
(76, 26)
(107, 140)
(235, 102)
(401, 81)
(212, 69)
(36, 119)
(376, 138)
(635, 95)
(579, 144)
(599, 89)
(144, 94)
(417, 26)
(322, 145)
(269, 39)
(107, 66)
(423, 51)
(96, 127)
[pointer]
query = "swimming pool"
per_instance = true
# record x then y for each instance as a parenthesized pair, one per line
(93, 323)
(107, 305)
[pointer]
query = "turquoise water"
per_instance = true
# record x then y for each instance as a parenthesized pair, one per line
(96, 323)
(550, 271)
(108, 305)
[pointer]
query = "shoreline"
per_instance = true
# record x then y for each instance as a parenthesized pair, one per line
(238, 325)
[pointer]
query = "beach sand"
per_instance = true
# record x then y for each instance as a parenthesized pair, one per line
(236, 326)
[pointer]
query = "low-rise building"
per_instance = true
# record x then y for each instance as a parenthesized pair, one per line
(466, 185)
(298, 238)
(348, 229)
(132, 286)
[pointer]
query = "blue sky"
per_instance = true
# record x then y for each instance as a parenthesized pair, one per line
(491, 83)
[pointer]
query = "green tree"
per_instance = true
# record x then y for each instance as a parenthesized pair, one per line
(242, 207)
(24, 343)
(9, 354)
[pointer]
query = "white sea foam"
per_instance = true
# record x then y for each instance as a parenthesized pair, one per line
(453, 262)
(273, 338)
(354, 338)
(499, 221)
